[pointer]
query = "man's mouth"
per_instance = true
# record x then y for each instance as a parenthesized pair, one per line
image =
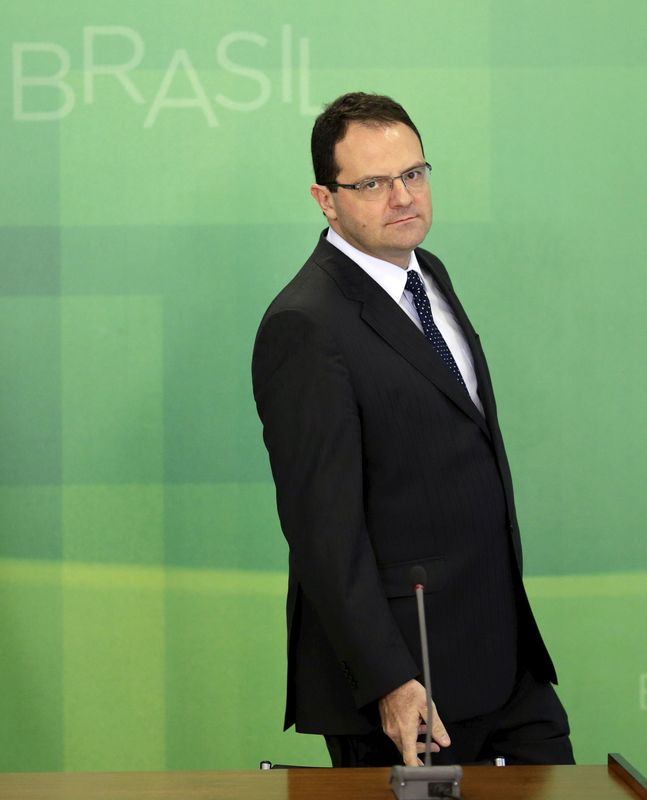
(400, 220)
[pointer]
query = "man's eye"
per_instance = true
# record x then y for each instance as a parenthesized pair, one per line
(372, 185)
(413, 175)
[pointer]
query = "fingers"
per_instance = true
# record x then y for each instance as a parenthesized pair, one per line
(405, 737)
(438, 731)
(408, 742)
(420, 747)
(410, 753)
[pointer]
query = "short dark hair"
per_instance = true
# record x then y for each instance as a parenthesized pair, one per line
(331, 125)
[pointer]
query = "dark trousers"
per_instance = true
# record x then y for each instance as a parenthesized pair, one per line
(531, 728)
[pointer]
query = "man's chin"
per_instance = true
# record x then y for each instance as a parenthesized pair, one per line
(409, 239)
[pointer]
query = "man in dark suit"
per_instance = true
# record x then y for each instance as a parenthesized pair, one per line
(381, 427)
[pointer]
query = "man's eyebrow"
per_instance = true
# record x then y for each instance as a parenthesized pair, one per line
(384, 175)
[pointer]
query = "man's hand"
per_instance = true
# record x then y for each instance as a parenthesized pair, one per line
(404, 714)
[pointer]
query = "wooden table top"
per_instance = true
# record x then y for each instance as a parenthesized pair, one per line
(479, 783)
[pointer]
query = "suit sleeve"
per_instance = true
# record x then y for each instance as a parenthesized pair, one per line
(312, 430)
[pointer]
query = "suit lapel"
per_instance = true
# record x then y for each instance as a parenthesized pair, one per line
(393, 325)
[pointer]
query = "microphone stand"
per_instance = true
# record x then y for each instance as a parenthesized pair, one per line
(420, 600)
(428, 782)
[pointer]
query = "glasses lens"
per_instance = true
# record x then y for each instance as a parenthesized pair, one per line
(374, 187)
(416, 179)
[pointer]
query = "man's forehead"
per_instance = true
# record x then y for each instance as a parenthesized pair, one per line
(378, 148)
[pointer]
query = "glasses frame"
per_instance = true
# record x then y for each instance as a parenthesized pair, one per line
(362, 184)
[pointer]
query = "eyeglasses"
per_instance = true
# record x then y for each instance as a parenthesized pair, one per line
(414, 180)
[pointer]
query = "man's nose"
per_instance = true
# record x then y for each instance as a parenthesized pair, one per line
(400, 195)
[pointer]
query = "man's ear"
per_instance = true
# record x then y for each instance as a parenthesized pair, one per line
(323, 197)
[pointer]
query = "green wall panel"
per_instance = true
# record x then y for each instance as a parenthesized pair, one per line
(31, 666)
(244, 534)
(31, 260)
(31, 522)
(114, 523)
(114, 668)
(30, 403)
(112, 389)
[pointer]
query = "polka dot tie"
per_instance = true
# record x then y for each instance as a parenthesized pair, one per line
(421, 302)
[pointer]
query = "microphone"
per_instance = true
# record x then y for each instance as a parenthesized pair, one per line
(428, 782)
(418, 576)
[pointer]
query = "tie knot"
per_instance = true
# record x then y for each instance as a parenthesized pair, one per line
(413, 284)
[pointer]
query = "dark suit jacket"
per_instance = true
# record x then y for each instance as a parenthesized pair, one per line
(381, 461)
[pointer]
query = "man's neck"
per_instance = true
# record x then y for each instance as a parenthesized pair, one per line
(361, 256)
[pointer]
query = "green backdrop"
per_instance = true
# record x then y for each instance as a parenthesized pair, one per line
(154, 169)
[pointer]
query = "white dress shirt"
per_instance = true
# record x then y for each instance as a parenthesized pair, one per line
(392, 279)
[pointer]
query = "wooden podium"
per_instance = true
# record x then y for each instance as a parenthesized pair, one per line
(617, 781)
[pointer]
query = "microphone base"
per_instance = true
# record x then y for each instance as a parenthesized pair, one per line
(426, 783)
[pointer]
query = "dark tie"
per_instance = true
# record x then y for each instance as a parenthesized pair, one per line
(421, 302)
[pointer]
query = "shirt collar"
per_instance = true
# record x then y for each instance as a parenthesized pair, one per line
(390, 277)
